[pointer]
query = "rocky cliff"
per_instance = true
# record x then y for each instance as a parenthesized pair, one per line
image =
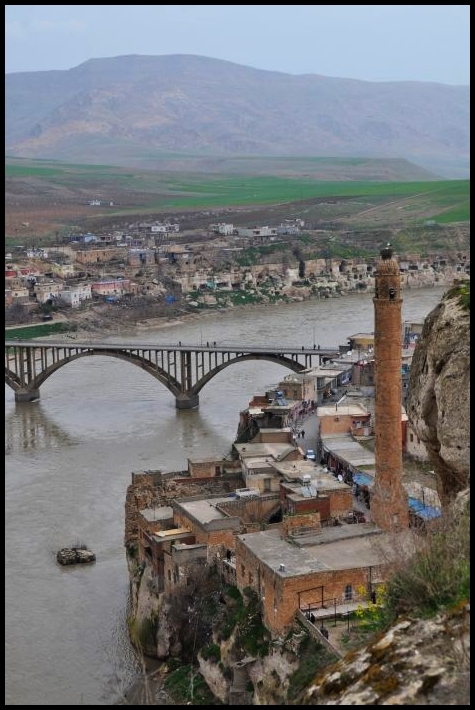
(438, 403)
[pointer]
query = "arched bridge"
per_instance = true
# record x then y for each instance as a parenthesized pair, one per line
(183, 369)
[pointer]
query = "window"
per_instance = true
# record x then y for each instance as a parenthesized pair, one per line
(348, 593)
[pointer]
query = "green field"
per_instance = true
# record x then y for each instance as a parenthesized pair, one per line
(39, 330)
(355, 193)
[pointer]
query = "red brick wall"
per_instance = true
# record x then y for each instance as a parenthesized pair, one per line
(303, 521)
(282, 596)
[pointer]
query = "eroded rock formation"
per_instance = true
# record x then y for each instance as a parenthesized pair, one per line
(416, 662)
(438, 403)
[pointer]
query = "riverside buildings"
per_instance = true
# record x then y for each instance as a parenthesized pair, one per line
(274, 522)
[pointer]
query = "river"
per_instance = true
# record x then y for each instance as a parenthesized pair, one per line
(68, 461)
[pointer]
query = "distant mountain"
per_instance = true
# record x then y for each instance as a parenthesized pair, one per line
(135, 109)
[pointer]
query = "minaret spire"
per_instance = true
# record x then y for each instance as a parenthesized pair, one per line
(389, 504)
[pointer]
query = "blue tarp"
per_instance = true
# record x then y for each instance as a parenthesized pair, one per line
(427, 512)
(362, 479)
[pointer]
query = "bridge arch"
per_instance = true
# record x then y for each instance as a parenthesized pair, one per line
(184, 371)
(278, 359)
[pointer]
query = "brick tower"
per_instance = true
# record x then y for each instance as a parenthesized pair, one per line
(389, 504)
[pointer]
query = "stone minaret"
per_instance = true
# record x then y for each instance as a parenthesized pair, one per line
(389, 504)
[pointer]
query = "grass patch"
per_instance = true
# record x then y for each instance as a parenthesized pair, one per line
(461, 291)
(460, 213)
(437, 576)
(38, 331)
(211, 653)
(313, 657)
(186, 686)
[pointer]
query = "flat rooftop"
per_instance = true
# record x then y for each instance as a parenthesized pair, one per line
(324, 482)
(351, 409)
(347, 449)
(163, 512)
(205, 510)
(364, 550)
(294, 470)
(259, 464)
(274, 450)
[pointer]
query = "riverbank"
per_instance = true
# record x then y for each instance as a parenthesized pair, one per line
(95, 320)
(148, 689)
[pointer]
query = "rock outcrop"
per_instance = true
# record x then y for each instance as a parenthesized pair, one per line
(75, 555)
(416, 662)
(438, 403)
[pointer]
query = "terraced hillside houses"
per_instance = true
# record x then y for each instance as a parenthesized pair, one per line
(209, 268)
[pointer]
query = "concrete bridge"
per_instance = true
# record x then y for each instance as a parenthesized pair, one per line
(183, 369)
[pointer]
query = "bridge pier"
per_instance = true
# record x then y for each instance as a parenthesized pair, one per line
(185, 401)
(27, 395)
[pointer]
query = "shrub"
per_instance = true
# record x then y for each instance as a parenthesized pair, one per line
(460, 290)
(251, 633)
(211, 653)
(312, 657)
(437, 576)
(188, 687)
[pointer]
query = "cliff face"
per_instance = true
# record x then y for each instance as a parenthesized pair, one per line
(438, 403)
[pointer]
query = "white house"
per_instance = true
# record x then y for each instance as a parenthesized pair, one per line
(75, 295)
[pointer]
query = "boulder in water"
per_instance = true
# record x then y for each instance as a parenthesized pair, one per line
(74, 555)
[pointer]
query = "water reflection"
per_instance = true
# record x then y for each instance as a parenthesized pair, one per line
(29, 428)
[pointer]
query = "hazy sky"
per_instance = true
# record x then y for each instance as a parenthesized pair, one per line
(369, 42)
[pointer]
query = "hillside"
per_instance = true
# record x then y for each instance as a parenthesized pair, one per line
(46, 198)
(152, 111)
